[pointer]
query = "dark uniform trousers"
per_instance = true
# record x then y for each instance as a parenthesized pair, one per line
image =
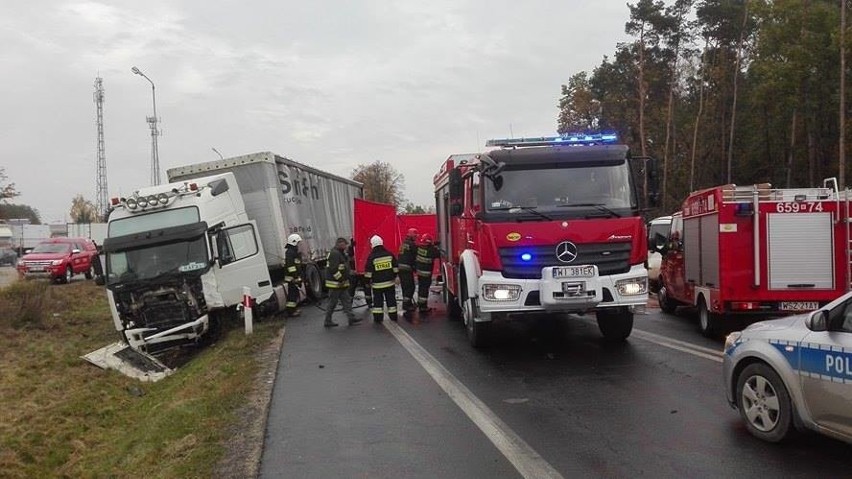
(424, 281)
(406, 281)
(382, 296)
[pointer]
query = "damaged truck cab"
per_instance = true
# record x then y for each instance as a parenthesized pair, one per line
(177, 259)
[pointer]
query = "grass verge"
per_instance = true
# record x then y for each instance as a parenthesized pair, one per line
(62, 417)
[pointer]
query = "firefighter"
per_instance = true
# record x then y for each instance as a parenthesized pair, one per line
(381, 270)
(293, 273)
(355, 279)
(337, 282)
(406, 269)
(427, 253)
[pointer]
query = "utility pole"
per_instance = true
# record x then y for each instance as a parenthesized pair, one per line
(842, 147)
(101, 189)
(155, 132)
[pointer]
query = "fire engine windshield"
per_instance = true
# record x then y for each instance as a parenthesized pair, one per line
(157, 260)
(563, 190)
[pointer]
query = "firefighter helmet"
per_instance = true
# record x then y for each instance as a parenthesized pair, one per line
(426, 239)
(376, 240)
(412, 233)
(294, 239)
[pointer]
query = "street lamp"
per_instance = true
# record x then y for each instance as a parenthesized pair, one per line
(155, 132)
(217, 152)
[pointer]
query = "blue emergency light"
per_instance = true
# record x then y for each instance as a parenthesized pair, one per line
(526, 257)
(568, 139)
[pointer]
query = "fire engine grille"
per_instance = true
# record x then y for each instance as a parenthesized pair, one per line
(610, 258)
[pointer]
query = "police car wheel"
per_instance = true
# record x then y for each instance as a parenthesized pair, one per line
(764, 403)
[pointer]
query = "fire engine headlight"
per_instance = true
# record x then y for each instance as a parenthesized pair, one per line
(501, 292)
(632, 286)
(163, 198)
(152, 200)
(131, 203)
(142, 202)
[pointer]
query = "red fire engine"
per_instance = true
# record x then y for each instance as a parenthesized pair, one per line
(753, 250)
(545, 224)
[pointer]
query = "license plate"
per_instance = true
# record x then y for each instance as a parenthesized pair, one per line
(35, 269)
(798, 306)
(574, 272)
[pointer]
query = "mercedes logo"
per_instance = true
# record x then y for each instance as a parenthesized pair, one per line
(566, 251)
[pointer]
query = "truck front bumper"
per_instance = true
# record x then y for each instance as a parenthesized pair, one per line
(498, 294)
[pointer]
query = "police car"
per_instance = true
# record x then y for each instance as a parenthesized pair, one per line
(794, 372)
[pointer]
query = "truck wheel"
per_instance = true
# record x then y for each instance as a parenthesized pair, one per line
(477, 331)
(667, 304)
(708, 322)
(764, 403)
(69, 273)
(615, 324)
(314, 284)
(454, 311)
(89, 273)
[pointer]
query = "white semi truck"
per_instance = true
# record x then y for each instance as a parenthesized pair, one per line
(179, 255)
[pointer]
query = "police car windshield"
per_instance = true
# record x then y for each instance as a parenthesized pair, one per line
(554, 187)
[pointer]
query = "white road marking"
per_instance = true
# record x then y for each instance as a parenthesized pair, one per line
(528, 462)
(683, 346)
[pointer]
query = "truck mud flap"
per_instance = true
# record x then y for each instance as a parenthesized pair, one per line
(130, 362)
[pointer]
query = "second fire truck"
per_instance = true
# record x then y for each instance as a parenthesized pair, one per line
(756, 251)
(547, 224)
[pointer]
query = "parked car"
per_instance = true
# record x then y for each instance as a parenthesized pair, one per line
(59, 259)
(794, 372)
(657, 228)
(8, 257)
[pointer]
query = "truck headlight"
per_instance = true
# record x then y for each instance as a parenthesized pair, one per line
(632, 286)
(501, 292)
(56, 262)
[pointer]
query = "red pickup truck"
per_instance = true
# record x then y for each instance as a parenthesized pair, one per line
(59, 259)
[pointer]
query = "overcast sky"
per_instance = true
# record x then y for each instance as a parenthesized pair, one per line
(327, 83)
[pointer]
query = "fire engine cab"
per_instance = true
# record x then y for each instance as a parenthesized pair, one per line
(753, 250)
(549, 224)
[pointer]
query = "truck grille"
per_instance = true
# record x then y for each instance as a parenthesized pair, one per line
(610, 258)
(38, 264)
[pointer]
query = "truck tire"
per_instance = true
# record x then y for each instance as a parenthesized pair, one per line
(477, 331)
(313, 282)
(90, 272)
(69, 273)
(454, 311)
(667, 304)
(708, 322)
(615, 324)
(764, 403)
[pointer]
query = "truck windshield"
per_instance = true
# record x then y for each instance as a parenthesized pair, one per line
(52, 248)
(575, 190)
(153, 261)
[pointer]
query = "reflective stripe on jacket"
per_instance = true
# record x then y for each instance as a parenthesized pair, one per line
(381, 268)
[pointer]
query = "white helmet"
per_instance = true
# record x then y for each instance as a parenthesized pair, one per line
(376, 240)
(294, 239)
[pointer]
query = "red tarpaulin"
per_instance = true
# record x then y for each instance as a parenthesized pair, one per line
(381, 219)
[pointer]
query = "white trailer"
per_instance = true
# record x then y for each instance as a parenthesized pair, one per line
(285, 197)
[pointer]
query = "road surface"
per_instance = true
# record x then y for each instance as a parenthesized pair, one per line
(549, 397)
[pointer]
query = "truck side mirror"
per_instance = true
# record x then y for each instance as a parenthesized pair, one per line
(818, 321)
(456, 185)
(661, 243)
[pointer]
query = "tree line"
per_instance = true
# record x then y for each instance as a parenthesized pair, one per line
(722, 91)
